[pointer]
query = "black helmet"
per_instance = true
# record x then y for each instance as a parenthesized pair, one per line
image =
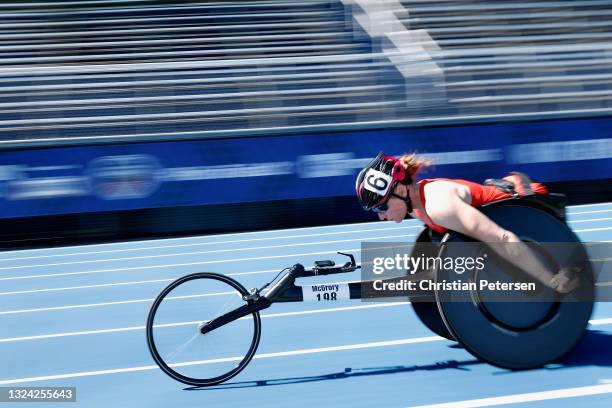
(376, 181)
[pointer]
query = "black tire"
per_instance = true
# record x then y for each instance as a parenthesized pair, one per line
(528, 335)
(201, 382)
(428, 312)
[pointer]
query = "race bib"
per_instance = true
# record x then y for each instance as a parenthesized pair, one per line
(326, 292)
(377, 182)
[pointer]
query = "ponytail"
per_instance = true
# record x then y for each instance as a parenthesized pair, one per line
(414, 163)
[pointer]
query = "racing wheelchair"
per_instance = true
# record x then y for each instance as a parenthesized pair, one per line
(219, 339)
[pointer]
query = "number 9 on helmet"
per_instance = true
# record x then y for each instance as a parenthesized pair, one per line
(377, 180)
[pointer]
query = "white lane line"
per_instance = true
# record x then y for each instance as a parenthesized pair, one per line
(344, 227)
(600, 322)
(134, 328)
(594, 229)
(242, 234)
(599, 284)
(101, 285)
(591, 205)
(358, 346)
(104, 285)
(291, 245)
(197, 244)
(138, 268)
(594, 322)
(167, 280)
(155, 247)
(590, 220)
(89, 305)
(527, 397)
(589, 212)
(197, 263)
(123, 302)
(120, 302)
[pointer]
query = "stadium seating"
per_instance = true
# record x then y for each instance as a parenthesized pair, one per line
(139, 69)
(157, 70)
(514, 57)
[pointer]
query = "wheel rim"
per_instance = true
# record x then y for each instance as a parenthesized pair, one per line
(517, 346)
(169, 367)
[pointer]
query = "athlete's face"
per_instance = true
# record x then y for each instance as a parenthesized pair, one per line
(397, 208)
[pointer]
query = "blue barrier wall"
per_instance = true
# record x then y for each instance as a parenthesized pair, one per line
(65, 180)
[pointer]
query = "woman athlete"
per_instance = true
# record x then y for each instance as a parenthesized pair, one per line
(387, 186)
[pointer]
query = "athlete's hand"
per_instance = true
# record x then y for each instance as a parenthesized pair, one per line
(566, 279)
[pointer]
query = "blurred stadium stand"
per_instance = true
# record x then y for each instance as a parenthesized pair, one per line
(142, 70)
(151, 69)
(507, 57)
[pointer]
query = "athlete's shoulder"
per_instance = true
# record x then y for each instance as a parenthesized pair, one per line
(440, 194)
(442, 185)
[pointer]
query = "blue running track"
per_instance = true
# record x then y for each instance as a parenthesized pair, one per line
(75, 316)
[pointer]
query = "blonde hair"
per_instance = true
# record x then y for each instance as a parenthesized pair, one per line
(414, 163)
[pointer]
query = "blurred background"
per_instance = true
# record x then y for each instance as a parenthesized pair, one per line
(143, 118)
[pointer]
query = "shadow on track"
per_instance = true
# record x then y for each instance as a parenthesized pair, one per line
(347, 373)
(593, 350)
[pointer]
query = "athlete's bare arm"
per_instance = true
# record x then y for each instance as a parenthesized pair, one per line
(448, 205)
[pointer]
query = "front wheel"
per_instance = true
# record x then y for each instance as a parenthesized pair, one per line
(173, 335)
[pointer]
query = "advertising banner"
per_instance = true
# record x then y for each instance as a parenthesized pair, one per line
(76, 179)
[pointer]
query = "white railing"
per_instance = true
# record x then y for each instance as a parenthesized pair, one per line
(411, 51)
